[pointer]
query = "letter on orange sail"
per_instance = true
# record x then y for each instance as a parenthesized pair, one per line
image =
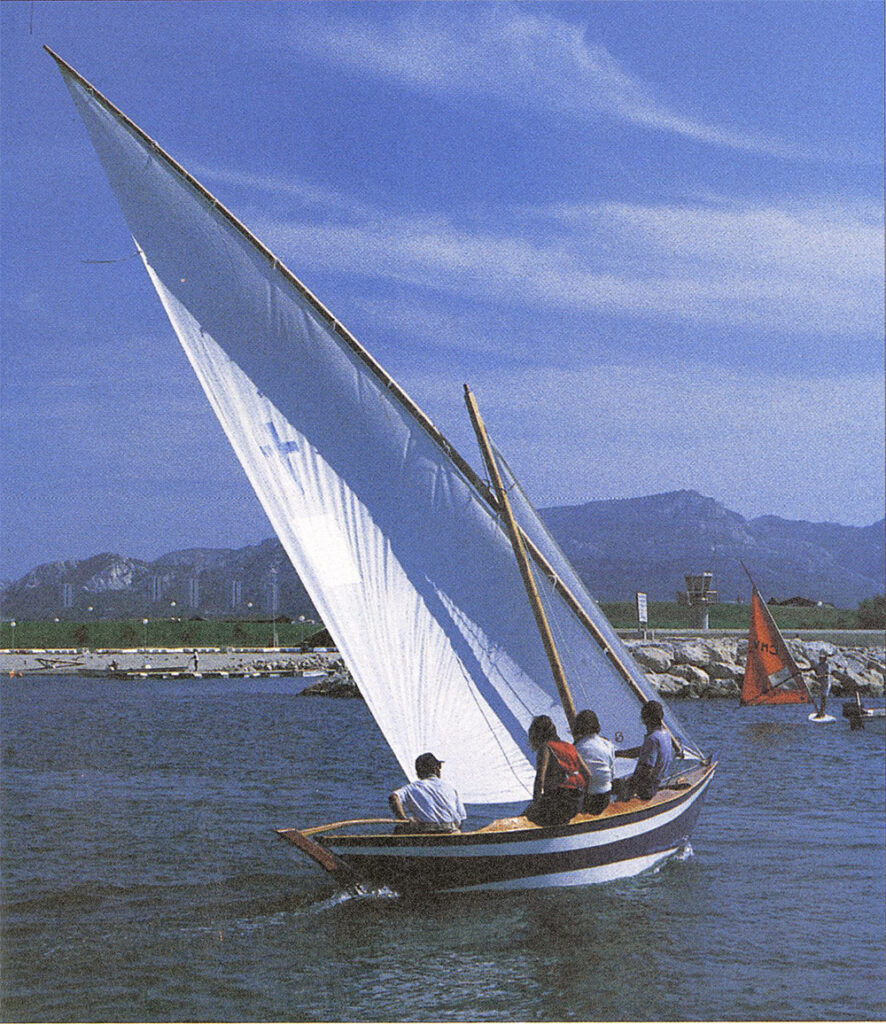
(771, 675)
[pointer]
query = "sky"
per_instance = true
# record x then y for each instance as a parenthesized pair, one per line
(649, 235)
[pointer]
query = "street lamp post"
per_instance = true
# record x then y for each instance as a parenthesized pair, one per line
(145, 624)
(274, 605)
(12, 627)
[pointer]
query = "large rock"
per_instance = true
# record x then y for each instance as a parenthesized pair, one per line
(669, 686)
(728, 670)
(697, 678)
(653, 659)
(692, 652)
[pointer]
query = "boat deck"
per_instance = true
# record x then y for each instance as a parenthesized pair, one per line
(615, 809)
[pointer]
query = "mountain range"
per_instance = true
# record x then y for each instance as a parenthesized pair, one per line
(618, 547)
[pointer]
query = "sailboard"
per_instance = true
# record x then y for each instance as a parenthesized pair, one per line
(401, 546)
(771, 674)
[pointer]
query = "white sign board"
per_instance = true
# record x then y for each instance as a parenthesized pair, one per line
(642, 613)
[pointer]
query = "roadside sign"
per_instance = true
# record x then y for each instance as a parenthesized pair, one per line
(642, 613)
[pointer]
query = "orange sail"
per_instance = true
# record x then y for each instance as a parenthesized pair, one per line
(771, 675)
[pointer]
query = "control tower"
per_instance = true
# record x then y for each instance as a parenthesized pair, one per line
(698, 596)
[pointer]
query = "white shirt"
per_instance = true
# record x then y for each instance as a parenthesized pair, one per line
(599, 756)
(432, 799)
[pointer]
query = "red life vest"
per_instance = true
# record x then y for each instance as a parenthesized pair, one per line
(567, 760)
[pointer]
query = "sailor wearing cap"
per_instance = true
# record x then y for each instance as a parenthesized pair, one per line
(429, 804)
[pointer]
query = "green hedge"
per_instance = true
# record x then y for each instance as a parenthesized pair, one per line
(108, 633)
(215, 633)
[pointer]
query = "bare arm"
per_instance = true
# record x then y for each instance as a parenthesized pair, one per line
(397, 807)
(541, 767)
(629, 752)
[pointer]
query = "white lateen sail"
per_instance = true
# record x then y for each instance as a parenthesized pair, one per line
(394, 537)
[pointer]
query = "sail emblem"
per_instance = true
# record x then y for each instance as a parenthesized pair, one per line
(780, 678)
(279, 445)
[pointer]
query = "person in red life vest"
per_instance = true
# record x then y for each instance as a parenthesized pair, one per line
(561, 776)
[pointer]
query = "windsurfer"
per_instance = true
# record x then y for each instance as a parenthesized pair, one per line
(822, 674)
(598, 754)
(433, 805)
(561, 776)
(654, 756)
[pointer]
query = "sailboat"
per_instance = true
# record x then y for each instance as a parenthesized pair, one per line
(409, 555)
(771, 674)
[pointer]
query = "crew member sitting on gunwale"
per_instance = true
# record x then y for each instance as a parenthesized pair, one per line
(561, 776)
(654, 757)
(429, 804)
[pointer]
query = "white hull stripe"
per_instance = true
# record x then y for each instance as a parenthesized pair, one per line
(584, 876)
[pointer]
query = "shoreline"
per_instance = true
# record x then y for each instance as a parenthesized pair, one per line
(689, 665)
(169, 662)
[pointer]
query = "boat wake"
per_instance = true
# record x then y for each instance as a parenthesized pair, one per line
(345, 896)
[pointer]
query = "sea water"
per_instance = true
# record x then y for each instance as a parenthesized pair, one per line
(142, 879)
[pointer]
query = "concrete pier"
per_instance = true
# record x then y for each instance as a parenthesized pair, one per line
(168, 662)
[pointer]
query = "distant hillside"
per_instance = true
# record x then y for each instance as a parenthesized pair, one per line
(618, 547)
(197, 581)
(649, 543)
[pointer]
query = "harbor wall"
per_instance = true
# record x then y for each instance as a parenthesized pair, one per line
(690, 667)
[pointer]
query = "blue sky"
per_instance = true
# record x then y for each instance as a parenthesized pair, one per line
(649, 235)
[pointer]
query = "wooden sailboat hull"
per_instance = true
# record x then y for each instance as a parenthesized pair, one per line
(627, 839)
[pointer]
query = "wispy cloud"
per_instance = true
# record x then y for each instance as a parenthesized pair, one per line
(639, 431)
(296, 191)
(810, 269)
(520, 58)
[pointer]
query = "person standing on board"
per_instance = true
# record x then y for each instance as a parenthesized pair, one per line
(599, 755)
(823, 678)
(429, 804)
(654, 757)
(561, 776)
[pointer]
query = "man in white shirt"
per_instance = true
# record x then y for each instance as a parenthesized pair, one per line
(429, 804)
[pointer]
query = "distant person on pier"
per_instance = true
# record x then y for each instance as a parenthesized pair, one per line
(599, 755)
(654, 756)
(196, 662)
(822, 673)
(561, 776)
(430, 804)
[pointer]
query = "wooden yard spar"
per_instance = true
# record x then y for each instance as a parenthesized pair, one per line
(516, 537)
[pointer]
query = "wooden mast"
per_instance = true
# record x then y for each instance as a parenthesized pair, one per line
(516, 537)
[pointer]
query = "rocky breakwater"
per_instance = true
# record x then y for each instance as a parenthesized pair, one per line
(714, 667)
(337, 682)
(696, 668)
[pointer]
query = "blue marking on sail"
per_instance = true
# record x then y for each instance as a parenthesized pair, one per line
(279, 445)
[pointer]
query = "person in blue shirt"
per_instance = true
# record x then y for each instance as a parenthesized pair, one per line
(654, 757)
(429, 804)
